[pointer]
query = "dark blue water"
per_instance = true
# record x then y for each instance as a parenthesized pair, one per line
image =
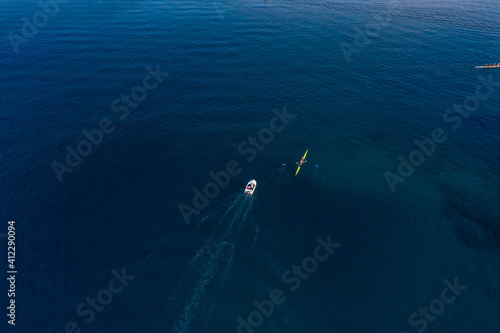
(229, 65)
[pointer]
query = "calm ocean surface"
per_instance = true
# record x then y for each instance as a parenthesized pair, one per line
(362, 79)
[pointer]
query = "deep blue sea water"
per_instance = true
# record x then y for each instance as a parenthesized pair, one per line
(230, 64)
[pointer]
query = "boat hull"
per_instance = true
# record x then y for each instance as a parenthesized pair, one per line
(487, 67)
(251, 186)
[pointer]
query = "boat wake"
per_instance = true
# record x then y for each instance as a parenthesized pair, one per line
(279, 177)
(209, 269)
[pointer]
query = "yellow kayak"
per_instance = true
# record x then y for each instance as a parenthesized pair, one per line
(302, 161)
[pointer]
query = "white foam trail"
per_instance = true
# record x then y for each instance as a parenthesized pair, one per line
(238, 198)
(248, 201)
(202, 222)
(221, 223)
(213, 262)
(208, 273)
(226, 264)
(256, 233)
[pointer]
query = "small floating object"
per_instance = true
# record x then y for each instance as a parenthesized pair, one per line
(489, 66)
(251, 186)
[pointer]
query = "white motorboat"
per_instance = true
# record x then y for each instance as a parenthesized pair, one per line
(251, 186)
